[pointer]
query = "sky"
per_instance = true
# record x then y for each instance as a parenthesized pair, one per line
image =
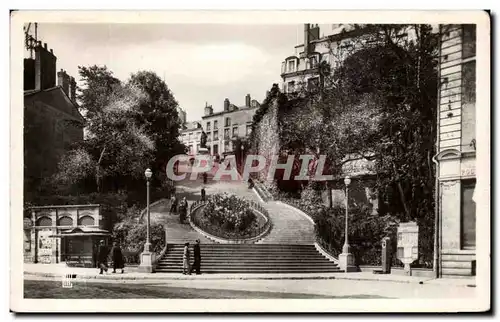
(199, 62)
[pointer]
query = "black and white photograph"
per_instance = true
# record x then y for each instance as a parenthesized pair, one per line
(338, 159)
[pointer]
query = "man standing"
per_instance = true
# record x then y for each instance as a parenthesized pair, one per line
(197, 257)
(173, 204)
(203, 194)
(102, 257)
(117, 256)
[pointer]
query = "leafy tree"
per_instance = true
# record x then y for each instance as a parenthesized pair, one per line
(159, 117)
(117, 148)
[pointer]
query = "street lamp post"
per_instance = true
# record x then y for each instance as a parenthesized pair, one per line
(147, 255)
(346, 259)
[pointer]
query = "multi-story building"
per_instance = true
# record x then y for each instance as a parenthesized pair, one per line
(456, 145)
(191, 136)
(230, 123)
(52, 121)
(302, 69)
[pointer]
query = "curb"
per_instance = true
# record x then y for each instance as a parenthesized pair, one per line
(174, 276)
(158, 277)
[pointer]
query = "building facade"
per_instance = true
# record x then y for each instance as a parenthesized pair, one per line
(52, 121)
(54, 234)
(456, 158)
(225, 126)
(191, 137)
(302, 69)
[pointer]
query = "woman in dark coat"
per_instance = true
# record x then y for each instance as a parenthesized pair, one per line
(102, 257)
(117, 257)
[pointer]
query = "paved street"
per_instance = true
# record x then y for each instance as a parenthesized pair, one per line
(247, 289)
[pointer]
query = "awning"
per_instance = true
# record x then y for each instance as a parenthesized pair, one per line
(82, 231)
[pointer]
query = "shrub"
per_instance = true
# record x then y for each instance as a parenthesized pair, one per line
(230, 212)
(229, 217)
(132, 235)
(366, 231)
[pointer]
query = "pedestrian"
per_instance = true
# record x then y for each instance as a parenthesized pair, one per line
(183, 210)
(197, 258)
(102, 257)
(117, 256)
(173, 204)
(203, 194)
(185, 260)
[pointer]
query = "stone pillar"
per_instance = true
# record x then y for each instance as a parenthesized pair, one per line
(450, 214)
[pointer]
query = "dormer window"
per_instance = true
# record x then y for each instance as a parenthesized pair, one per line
(313, 62)
(291, 65)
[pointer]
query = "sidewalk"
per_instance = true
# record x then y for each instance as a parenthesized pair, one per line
(132, 274)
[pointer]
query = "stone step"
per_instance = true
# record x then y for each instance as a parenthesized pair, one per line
(456, 271)
(250, 269)
(457, 264)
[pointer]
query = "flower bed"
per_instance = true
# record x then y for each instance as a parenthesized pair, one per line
(229, 217)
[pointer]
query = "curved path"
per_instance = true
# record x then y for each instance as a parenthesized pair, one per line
(289, 225)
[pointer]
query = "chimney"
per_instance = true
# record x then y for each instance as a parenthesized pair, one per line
(72, 89)
(226, 105)
(208, 109)
(306, 38)
(63, 80)
(29, 73)
(45, 67)
(247, 100)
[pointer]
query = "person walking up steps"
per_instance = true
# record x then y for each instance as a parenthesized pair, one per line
(185, 260)
(173, 204)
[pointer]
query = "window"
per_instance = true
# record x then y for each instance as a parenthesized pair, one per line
(291, 87)
(291, 66)
(468, 41)
(228, 121)
(215, 149)
(226, 133)
(469, 82)
(86, 221)
(468, 106)
(215, 125)
(313, 83)
(468, 216)
(226, 147)
(209, 136)
(216, 134)
(249, 129)
(235, 131)
(313, 62)
(198, 147)
(208, 126)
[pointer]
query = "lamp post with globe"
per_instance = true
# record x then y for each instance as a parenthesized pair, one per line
(147, 256)
(346, 259)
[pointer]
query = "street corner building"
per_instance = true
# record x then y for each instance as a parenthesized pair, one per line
(456, 157)
(52, 121)
(65, 233)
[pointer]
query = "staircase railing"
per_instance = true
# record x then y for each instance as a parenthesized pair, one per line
(162, 253)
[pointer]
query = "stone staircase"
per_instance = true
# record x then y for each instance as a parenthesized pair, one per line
(289, 226)
(250, 258)
(458, 264)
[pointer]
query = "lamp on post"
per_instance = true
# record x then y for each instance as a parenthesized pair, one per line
(147, 255)
(346, 259)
